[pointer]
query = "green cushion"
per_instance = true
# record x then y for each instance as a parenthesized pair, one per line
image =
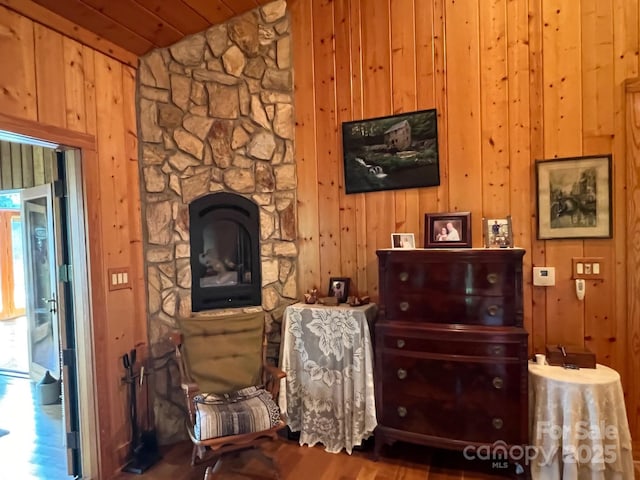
(223, 353)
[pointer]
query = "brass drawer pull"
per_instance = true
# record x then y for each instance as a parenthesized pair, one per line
(402, 373)
(400, 343)
(497, 423)
(497, 350)
(498, 383)
(492, 310)
(492, 278)
(404, 276)
(402, 412)
(404, 306)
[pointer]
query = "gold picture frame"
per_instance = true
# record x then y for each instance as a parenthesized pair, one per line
(498, 232)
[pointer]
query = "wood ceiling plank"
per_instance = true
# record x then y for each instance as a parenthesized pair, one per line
(89, 18)
(213, 10)
(178, 14)
(137, 19)
(40, 14)
(241, 6)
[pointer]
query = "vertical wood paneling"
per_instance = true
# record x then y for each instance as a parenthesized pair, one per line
(49, 61)
(376, 89)
(463, 110)
(74, 85)
(598, 130)
(404, 99)
(536, 135)
(132, 196)
(494, 109)
(348, 239)
(17, 75)
(519, 141)
(514, 81)
(562, 138)
(430, 88)
(632, 198)
(114, 218)
(26, 152)
(326, 140)
(625, 46)
(52, 79)
(597, 67)
(357, 75)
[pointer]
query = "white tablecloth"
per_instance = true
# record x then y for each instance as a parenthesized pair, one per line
(328, 394)
(578, 424)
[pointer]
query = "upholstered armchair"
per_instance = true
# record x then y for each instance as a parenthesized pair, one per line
(230, 391)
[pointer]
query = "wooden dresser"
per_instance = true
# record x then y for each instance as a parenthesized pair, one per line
(450, 350)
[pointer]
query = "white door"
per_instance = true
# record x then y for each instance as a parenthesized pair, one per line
(41, 282)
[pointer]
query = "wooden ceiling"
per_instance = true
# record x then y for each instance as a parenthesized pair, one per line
(136, 26)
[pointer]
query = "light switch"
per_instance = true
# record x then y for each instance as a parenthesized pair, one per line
(596, 269)
(579, 268)
(587, 269)
(114, 279)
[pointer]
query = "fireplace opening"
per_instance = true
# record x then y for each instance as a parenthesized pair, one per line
(225, 252)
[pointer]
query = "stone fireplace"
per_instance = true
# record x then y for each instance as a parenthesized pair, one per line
(216, 131)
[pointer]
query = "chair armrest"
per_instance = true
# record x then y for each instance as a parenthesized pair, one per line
(189, 388)
(272, 377)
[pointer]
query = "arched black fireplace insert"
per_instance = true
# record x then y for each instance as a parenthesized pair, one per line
(225, 252)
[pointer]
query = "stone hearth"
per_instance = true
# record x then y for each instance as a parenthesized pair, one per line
(215, 114)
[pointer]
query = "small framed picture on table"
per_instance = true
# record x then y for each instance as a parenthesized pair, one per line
(339, 288)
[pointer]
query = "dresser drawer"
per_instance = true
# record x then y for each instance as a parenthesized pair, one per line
(470, 401)
(437, 307)
(463, 278)
(451, 342)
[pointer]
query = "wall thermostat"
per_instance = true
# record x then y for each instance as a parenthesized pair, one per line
(544, 276)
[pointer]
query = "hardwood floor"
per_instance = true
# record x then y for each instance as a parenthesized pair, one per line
(34, 448)
(403, 461)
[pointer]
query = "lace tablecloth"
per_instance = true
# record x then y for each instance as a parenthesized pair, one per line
(578, 424)
(328, 394)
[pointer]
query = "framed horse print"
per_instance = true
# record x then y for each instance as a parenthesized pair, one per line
(574, 197)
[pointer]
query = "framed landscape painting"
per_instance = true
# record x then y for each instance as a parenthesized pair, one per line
(574, 197)
(389, 153)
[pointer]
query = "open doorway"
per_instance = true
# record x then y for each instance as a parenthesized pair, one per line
(39, 429)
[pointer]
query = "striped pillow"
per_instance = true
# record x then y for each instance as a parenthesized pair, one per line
(245, 411)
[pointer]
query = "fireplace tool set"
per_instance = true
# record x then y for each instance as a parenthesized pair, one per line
(143, 451)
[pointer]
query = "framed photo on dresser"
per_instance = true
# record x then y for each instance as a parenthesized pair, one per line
(447, 230)
(498, 232)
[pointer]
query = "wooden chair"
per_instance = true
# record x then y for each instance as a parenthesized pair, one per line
(220, 355)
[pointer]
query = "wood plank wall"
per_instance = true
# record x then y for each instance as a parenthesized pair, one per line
(52, 79)
(513, 81)
(25, 166)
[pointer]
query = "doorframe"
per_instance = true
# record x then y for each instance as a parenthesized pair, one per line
(88, 274)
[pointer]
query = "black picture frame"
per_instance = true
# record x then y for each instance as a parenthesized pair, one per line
(574, 197)
(391, 153)
(442, 229)
(339, 287)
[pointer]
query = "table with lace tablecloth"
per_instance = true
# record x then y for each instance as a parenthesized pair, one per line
(578, 424)
(328, 394)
